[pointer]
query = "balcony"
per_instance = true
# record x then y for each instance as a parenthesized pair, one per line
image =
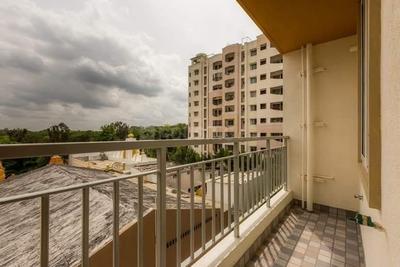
(212, 199)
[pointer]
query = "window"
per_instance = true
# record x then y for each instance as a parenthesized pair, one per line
(242, 123)
(217, 123)
(263, 134)
(278, 119)
(277, 134)
(263, 76)
(229, 83)
(217, 101)
(229, 70)
(190, 94)
(263, 106)
(369, 99)
(190, 104)
(277, 105)
(196, 93)
(263, 46)
(242, 83)
(217, 112)
(263, 61)
(196, 72)
(190, 74)
(253, 121)
(205, 102)
(253, 80)
(263, 120)
(263, 91)
(242, 134)
(229, 108)
(253, 93)
(253, 148)
(277, 90)
(196, 124)
(196, 82)
(242, 96)
(242, 56)
(253, 134)
(229, 57)
(205, 79)
(196, 103)
(242, 110)
(217, 76)
(229, 96)
(253, 52)
(229, 134)
(196, 134)
(276, 59)
(205, 91)
(242, 69)
(205, 69)
(196, 113)
(277, 74)
(229, 122)
(217, 134)
(217, 65)
(217, 87)
(190, 84)
(253, 107)
(253, 66)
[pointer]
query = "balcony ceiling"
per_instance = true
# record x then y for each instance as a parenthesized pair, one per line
(291, 24)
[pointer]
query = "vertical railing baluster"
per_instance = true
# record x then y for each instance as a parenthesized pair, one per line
(44, 230)
(286, 147)
(85, 227)
(116, 224)
(222, 206)
(249, 184)
(161, 207)
(236, 188)
(178, 219)
(229, 195)
(140, 244)
(191, 212)
(203, 207)
(269, 174)
(242, 186)
(213, 201)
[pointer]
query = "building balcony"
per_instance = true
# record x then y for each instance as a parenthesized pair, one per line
(202, 205)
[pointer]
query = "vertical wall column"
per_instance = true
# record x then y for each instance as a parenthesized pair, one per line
(310, 128)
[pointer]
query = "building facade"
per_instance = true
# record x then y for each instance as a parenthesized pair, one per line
(237, 93)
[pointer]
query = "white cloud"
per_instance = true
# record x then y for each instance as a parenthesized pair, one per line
(87, 63)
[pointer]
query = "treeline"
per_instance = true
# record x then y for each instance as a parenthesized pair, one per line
(115, 131)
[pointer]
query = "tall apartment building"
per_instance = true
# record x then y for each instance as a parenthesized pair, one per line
(238, 93)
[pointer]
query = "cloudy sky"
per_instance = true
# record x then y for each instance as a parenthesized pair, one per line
(89, 62)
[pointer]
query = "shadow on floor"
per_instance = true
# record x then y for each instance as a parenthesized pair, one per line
(322, 238)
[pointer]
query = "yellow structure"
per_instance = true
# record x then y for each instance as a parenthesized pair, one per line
(2, 172)
(56, 160)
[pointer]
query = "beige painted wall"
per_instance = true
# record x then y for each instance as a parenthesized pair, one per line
(383, 248)
(335, 105)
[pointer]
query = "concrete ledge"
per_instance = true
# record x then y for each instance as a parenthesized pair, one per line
(230, 250)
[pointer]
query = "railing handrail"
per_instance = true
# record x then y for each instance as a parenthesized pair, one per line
(268, 170)
(15, 151)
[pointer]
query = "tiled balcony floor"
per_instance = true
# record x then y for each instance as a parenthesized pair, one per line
(322, 238)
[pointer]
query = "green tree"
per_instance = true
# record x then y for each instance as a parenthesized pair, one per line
(58, 133)
(17, 135)
(114, 131)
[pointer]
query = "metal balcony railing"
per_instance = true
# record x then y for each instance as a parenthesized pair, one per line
(251, 179)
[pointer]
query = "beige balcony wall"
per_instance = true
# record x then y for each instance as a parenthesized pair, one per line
(335, 102)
